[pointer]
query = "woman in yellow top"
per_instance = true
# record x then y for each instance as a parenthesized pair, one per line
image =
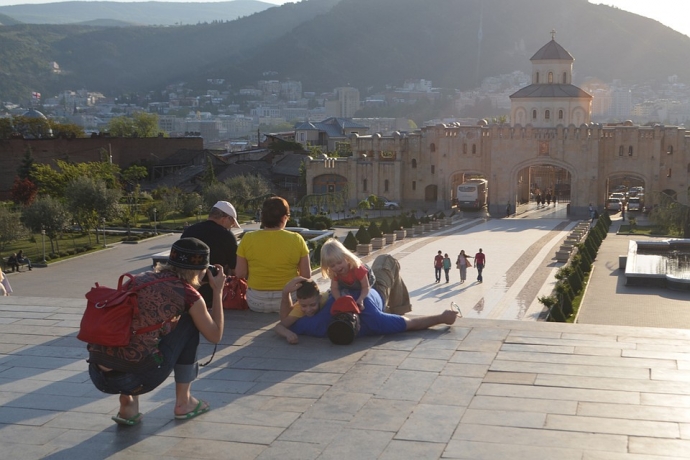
(271, 257)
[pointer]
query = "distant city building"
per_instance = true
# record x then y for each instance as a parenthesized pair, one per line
(328, 133)
(345, 104)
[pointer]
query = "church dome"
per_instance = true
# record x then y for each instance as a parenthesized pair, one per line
(30, 129)
(33, 113)
(552, 51)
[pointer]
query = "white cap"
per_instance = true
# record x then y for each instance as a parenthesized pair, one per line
(227, 208)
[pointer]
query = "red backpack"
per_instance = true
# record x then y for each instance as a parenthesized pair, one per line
(235, 294)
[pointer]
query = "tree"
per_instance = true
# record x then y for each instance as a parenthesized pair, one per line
(69, 130)
(54, 181)
(89, 201)
(26, 167)
(210, 173)
(192, 204)
(49, 214)
(140, 124)
(11, 228)
(24, 191)
(363, 206)
(214, 193)
(31, 127)
(6, 128)
(134, 174)
(247, 188)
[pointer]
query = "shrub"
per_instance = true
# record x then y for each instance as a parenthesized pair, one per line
(374, 230)
(350, 241)
(316, 254)
(395, 225)
(363, 235)
(385, 228)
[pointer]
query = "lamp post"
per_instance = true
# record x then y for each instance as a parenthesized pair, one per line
(155, 226)
(43, 237)
(103, 221)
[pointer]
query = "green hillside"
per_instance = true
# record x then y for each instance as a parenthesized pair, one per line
(145, 13)
(329, 43)
(6, 20)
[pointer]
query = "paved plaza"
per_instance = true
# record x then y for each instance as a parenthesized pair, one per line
(498, 384)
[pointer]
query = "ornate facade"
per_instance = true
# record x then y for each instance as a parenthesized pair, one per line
(557, 147)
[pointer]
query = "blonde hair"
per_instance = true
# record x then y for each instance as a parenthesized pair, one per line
(333, 251)
(190, 276)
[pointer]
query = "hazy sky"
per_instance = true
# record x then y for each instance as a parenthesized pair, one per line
(673, 13)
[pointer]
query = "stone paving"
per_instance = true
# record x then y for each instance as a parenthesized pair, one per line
(482, 389)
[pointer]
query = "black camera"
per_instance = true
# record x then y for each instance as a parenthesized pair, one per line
(213, 269)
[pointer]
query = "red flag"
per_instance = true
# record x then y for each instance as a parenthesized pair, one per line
(35, 95)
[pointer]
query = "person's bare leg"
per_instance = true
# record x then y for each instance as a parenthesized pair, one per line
(424, 322)
(184, 401)
(129, 406)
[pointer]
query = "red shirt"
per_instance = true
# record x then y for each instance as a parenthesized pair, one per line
(438, 261)
(354, 274)
(479, 258)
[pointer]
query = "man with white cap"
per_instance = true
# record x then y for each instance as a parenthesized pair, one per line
(216, 233)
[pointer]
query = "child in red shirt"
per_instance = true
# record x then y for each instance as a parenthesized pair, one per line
(345, 270)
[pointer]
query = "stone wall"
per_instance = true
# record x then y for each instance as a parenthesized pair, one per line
(124, 151)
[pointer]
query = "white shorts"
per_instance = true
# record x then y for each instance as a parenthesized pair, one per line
(264, 301)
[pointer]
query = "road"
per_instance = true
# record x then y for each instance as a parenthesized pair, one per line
(519, 267)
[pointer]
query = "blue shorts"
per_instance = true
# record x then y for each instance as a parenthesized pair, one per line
(373, 320)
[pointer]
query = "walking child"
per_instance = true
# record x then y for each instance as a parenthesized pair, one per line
(346, 271)
(446, 266)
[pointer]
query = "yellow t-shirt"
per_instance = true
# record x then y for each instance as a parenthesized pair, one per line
(272, 257)
(296, 311)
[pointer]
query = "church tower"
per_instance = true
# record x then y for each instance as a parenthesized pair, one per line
(551, 99)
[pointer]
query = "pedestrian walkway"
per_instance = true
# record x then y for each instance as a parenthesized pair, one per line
(485, 388)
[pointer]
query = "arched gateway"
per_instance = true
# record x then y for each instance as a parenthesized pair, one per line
(550, 144)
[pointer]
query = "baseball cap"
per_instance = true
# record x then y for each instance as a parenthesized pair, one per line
(227, 208)
(344, 304)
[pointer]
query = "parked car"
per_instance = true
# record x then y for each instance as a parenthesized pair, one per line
(618, 195)
(386, 203)
(614, 204)
(634, 204)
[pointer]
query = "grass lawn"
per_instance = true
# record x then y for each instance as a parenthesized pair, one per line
(649, 230)
(69, 244)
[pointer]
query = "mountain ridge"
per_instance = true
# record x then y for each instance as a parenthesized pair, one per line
(153, 13)
(331, 43)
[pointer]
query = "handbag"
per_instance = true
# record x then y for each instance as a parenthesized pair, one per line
(235, 294)
(109, 312)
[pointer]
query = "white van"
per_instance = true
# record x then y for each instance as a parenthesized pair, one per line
(614, 204)
(634, 204)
